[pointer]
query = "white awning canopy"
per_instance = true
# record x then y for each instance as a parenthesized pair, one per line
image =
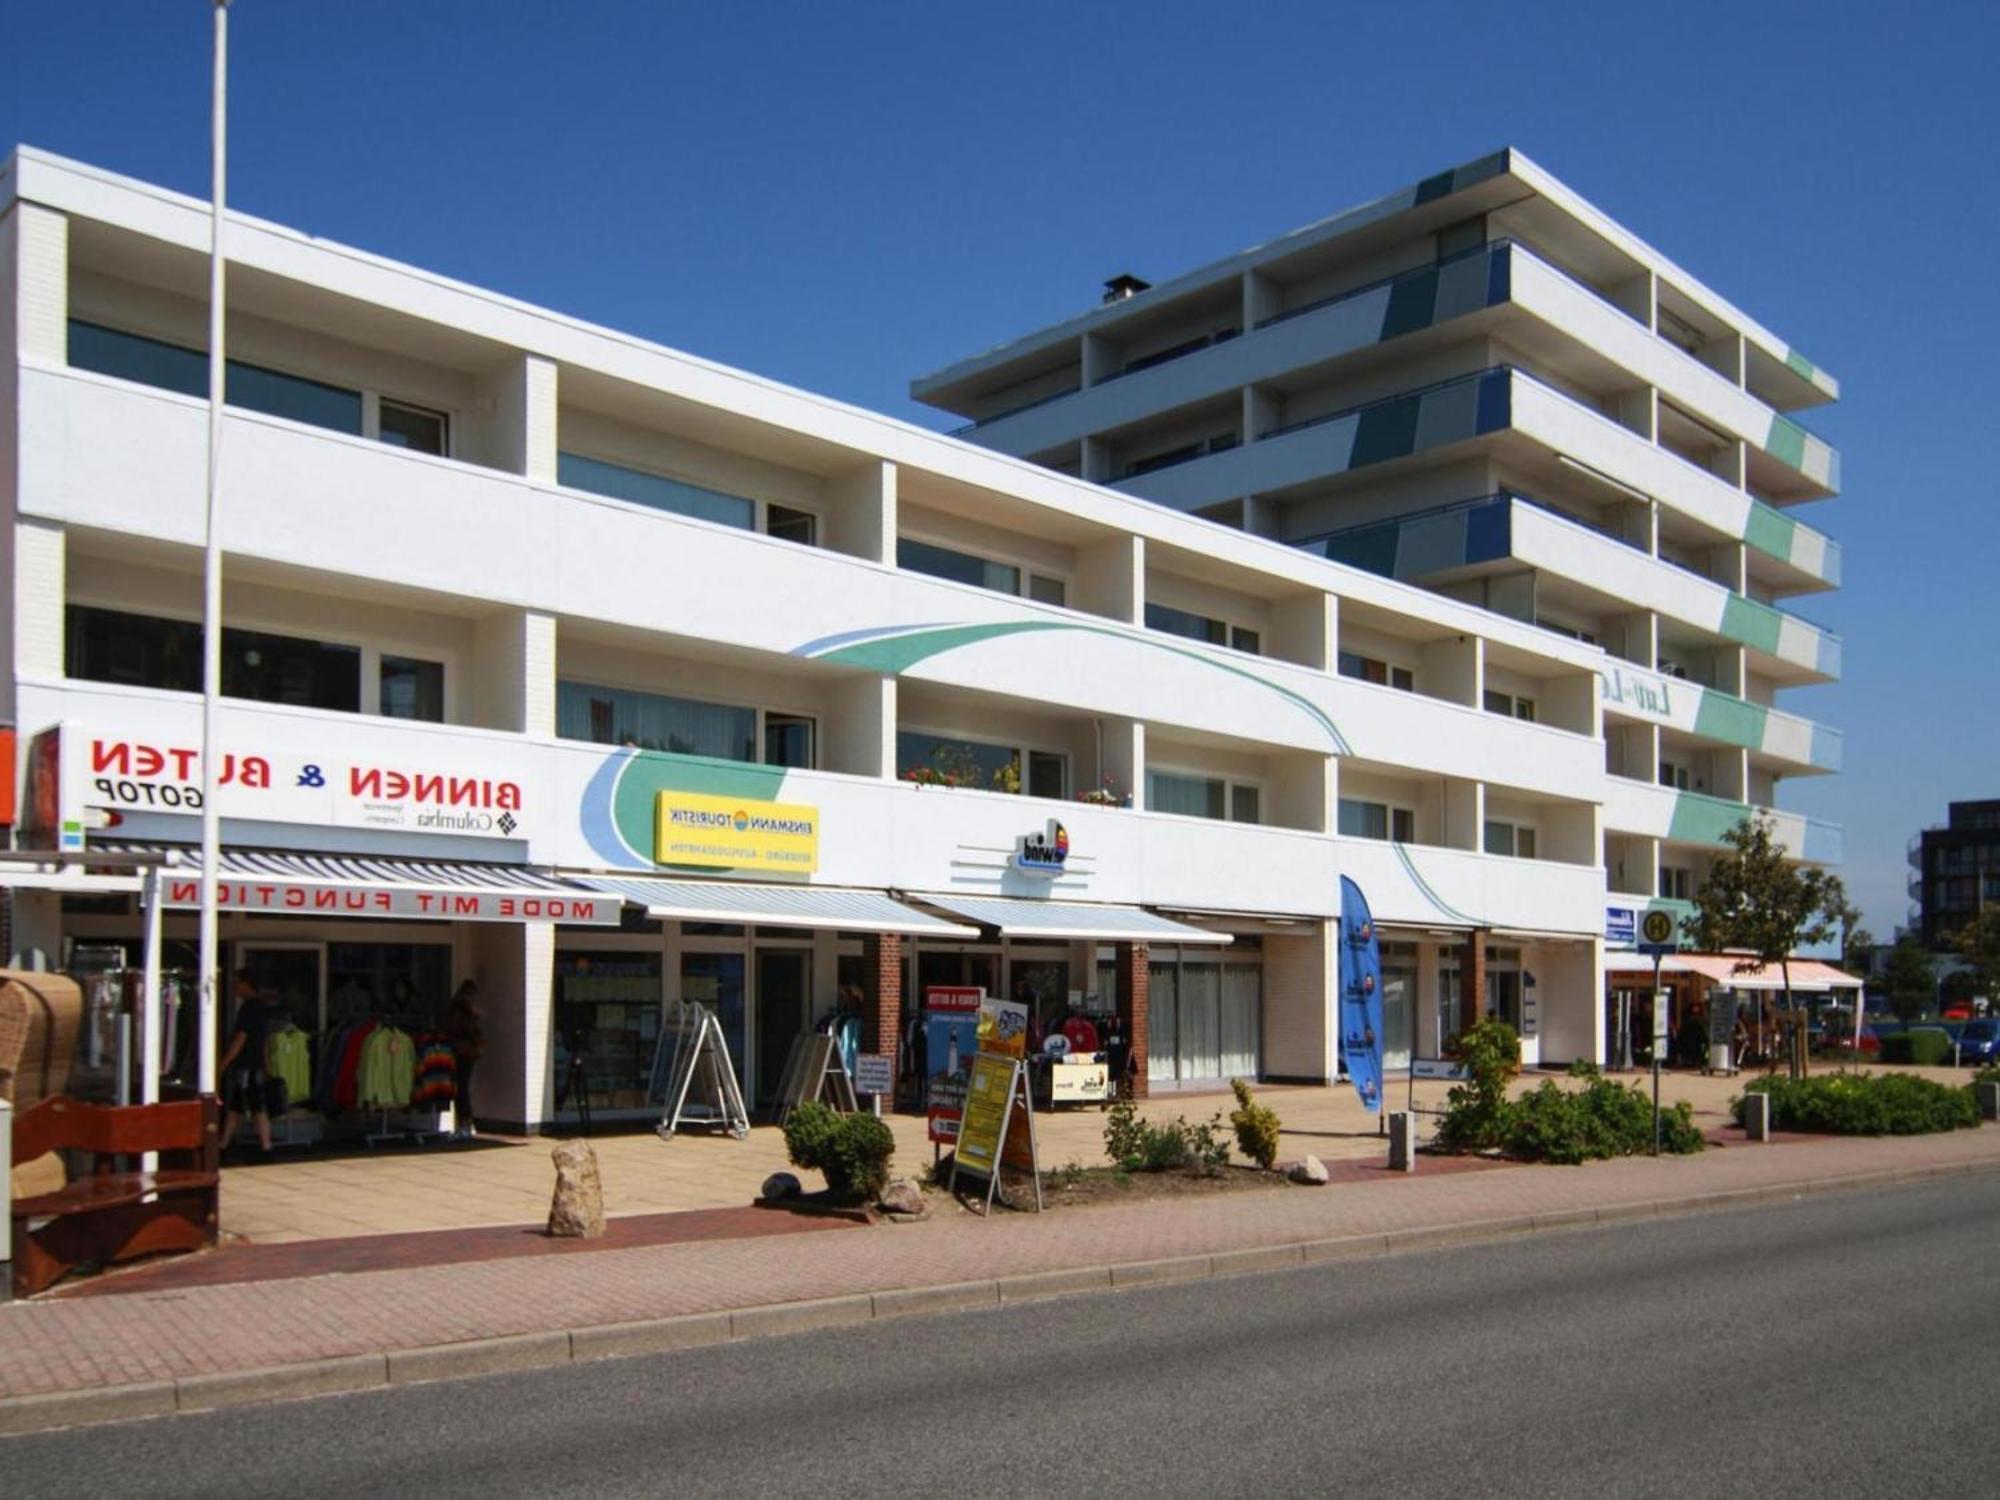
(842, 907)
(1016, 917)
(296, 883)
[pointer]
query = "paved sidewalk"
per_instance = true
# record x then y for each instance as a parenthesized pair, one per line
(155, 1352)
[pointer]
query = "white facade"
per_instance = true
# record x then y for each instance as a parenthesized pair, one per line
(1483, 385)
(478, 654)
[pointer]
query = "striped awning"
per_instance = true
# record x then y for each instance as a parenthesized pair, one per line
(1016, 917)
(842, 907)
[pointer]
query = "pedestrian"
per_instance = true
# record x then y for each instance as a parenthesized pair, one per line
(242, 1068)
(468, 1040)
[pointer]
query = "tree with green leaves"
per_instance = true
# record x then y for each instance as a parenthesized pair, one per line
(1758, 903)
(1909, 977)
(1978, 943)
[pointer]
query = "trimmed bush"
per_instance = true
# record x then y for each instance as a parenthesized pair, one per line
(1923, 1047)
(1164, 1145)
(1602, 1119)
(1866, 1104)
(1475, 1117)
(852, 1151)
(1256, 1126)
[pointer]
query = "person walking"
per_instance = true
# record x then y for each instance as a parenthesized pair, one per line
(468, 1041)
(242, 1067)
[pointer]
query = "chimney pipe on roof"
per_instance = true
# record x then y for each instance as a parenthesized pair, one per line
(1124, 285)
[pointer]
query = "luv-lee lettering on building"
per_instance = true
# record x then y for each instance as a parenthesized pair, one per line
(732, 833)
(128, 774)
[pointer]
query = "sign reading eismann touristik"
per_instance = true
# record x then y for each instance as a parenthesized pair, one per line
(732, 833)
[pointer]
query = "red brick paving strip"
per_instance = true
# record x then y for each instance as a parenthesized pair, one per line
(87, 1342)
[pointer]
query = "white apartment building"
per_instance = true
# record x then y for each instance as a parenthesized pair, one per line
(614, 678)
(1483, 386)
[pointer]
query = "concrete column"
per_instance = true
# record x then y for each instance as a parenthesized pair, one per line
(514, 1085)
(1454, 669)
(513, 428)
(1094, 460)
(1122, 757)
(1263, 410)
(1098, 358)
(1111, 579)
(882, 1003)
(861, 512)
(1729, 566)
(514, 672)
(859, 738)
(1465, 815)
(1732, 462)
(39, 575)
(1639, 410)
(1305, 629)
(1133, 967)
(34, 276)
(1263, 299)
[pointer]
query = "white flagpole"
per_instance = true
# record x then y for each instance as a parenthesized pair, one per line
(211, 571)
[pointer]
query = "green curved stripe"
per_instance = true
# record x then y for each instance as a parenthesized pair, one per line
(894, 655)
(1424, 889)
(651, 772)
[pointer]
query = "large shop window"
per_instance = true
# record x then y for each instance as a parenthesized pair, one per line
(172, 367)
(655, 490)
(109, 645)
(607, 1027)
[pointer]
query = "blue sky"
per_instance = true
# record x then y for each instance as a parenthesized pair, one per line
(842, 196)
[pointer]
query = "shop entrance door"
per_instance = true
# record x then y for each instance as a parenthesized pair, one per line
(784, 1012)
(1398, 990)
(291, 976)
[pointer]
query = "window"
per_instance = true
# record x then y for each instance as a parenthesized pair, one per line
(412, 427)
(1243, 805)
(790, 525)
(173, 367)
(788, 740)
(675, 496)
(109, 645)
(958, 567)
(941, 759)
(1376, 820)
(1243, 639)
(1190, 796)
(653, 721)
(412, 689)
(1369, 669)
(1048, 775)
(1510, 706)
(1512, 839)
(1184, 622)
(1587, 637)
(1675, 776)
(1676, 883)
(1047, 590)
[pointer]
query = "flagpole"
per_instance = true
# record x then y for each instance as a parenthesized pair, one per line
(211, 569)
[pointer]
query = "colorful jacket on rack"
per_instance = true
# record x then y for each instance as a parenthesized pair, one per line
(288, 1057)
(388, 1070)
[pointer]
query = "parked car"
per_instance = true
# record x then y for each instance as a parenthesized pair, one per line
(1979, 1042)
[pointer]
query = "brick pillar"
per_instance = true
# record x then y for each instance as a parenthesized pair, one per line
(1134, 979)
(1472, 974)
(882, 1007)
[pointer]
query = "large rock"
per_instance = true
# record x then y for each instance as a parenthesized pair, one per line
(577, 1211)
(779, 1186)
(1311, 1171)
(901, 1197)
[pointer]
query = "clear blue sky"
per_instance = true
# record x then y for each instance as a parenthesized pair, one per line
(842, 196)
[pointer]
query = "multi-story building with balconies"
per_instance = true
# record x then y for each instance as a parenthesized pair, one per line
(617, 679)
(1483, 386)
(1955, 871)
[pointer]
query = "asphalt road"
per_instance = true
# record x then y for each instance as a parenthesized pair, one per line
(1835, 1346)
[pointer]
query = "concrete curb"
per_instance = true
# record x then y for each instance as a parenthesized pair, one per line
(533, 1351)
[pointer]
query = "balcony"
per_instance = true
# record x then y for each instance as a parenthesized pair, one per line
(1660, 812)
(1423, 884)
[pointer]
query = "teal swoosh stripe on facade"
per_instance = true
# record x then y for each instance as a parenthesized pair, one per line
(1424, 889)
(894, 655)
(1770, 530)
(1786, 441)
(1701, 819)
(650, 772)
(1734, 721)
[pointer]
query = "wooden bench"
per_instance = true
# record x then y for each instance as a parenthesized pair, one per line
(117, 1212)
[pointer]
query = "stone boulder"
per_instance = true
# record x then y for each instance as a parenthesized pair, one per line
(902, 1197)
(780, 1186)
(1311, 1171)
(577, 1211)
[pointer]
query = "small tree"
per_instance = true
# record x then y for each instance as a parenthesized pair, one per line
(1909, 977)
(1978, 943)
(1758, 901)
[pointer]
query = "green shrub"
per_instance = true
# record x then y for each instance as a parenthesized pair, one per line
(1256, 1126)
(1475, 1110)
(852, 1151)
(1140, 1145)
(1865, 1104)
(1603, 1119)
(1924, 1047)
(1121, 1133)
(1988, 1074)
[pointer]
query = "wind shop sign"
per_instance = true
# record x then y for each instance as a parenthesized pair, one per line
(129, 775)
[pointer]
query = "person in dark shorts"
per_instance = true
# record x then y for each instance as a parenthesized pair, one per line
(243, 1076)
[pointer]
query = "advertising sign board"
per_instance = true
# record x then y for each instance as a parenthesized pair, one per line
(951, 1041)
(733, 833)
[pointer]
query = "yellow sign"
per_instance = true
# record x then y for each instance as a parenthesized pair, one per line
(1003, 1027)
(730, 833)
(1658, 927)
(986, 1099)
